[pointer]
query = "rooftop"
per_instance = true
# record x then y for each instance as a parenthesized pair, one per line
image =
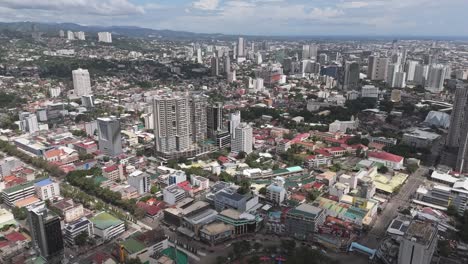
(421, 231)
(105, 220)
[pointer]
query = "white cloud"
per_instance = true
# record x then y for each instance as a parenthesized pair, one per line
(353, 4)
(102, 7)
(206, 4)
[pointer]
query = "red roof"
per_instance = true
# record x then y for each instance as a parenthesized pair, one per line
(322, 152)
(382, 155)
(185, 185)
(223, 159)
(15, 236)
(111, 168)
(318, 185)
(333, 149)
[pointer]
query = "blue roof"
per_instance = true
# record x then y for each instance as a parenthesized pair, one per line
(43, 183)
(294, 169)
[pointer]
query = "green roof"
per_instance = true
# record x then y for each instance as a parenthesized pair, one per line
(100, 179)
(105, 220)
(133, 246)
(23, 185)
(182, 258)
(280, 171)
(294, 169)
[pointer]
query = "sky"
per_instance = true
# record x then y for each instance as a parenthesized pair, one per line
(255, 17)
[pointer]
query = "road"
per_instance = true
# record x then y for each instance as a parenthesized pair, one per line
(400, 200)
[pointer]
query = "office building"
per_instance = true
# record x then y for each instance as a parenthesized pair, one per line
(110, 139)
(310, 66)
(172, 123)
(173, 194)
(323, 58)
(227, 64)
(399, 80)
(228, 197)
(377, 68)
(9, 164)
(370, 91)
(46, 233)
(435, 78)
(139, 180)
(351, 76)
(87, 101)
(177, 177)
(309, 52)
(214, 119)
(419, 243)
(105, 37)
(74, 229)
(28, 122)
(81, 82)
(303, 221)
(242, 141)
(395, 96)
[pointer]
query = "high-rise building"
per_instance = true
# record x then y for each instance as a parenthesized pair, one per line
(172, 123)
(105, 37)
(420, 74)
(419, 243)
(241, 47)
(457, 118)
(410, 69)
(435, 78)
(199, 56)
(80, 35)
(61, 33)
(214, 117)
(198, 119)
(110, 139)
(46, 233)
(351, 76)
(28, 122)
(81, 82)
(377, 68)
(399, 80)
(227, 64)
(70, 35)
(395, 77)
(215, 66)
(323, 59)
(234, 121)
(139, 180)
(309, 52)
(242, 141)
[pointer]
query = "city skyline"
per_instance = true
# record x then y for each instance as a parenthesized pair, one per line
(292, 18)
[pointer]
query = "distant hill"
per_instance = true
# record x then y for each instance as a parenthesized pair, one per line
(130, 31)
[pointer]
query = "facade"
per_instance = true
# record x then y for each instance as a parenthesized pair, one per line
(9, 164)
(198, 117)
(410, 69)
(140, 181)
(107, 226)
(47, 189)
(303, 221)
(457, 118)
(216, 233)
(214, 118)
(243, 223)
(343, 126)
(370, 91)
(230, 198)
(390, 160)
(69, 210)
(419, 243)
(242, 141)
(419, 138)
(177, 177)
(234, 122)
(81, 82)
(28, 122)
(21, 191)
(215, 66)
(110, 139)
(420, 74)
(46, 233)
(105, 37)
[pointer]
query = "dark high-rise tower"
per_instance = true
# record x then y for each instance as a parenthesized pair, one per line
(46, 233)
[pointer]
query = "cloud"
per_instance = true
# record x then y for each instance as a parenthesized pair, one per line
(208, 5)
(353, 4)
(101, 7)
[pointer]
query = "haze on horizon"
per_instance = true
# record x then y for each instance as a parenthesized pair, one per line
(255, 17)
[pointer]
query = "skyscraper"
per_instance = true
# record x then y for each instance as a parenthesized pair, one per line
(419, 242)
(46, 233)
(242, 141)
(410, 69)
(420, 74)
(28, 122)
(110, 139)
(435, 78)
(105, 37)
(234, 121)
(199, 56)
(171, 123)
(81, 82)
(227, 64)
(351, 76)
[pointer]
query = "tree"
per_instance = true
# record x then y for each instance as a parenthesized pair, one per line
(308, 256)
(444, 248)
(19, 213)
(224, 176)
(244, 186)
(139, 213)
(262, 191)
(383, 169)
(154, 189)
(81, 239)
(313, 195)
(289, 246)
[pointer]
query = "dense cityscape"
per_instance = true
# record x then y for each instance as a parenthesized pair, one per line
(176, 147)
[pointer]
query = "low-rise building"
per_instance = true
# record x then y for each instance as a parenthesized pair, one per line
(173, 194)
(107, 226)
(243, 223)
(47, 189)
(388, 159)
(301, 222)
(216, 233)
(69, 210)
(74, 229)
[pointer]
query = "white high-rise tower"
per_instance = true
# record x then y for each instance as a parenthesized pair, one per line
(81, 82)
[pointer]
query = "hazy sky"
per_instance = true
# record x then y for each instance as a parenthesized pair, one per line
(264, 17)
